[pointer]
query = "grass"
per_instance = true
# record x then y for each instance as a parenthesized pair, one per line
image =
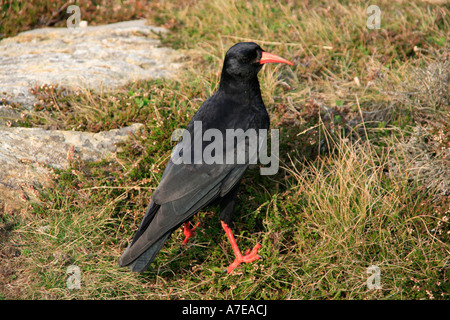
(17, 16)
(353, 189)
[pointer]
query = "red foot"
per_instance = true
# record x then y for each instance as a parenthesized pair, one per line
(188, 232)
(250, 255)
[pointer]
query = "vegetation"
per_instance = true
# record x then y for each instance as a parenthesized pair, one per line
(359, 183)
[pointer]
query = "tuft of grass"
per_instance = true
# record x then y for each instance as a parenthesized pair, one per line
(85, 110)
(351, 192)
(356, 213)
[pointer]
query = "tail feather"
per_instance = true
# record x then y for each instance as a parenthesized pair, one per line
(136, 257)
(158, 224)
(144, 260)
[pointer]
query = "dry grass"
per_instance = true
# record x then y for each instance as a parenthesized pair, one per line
(17, 16)
(360, 214)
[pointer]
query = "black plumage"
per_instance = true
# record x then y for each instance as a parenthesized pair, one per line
(186, 188)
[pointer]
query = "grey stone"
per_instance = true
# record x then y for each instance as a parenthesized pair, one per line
(97, 57)
(27, 156)
(100, 58)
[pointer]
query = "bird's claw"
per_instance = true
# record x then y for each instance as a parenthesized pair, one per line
(250, 256)
(189, 232)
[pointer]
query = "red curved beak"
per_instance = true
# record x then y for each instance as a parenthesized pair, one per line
(270, 57)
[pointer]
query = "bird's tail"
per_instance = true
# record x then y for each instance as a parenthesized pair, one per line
(145, 259)
(141, 252)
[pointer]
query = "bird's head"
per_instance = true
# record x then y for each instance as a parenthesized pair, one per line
(245, 59)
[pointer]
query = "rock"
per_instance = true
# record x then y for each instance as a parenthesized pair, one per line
(93, 57)
(28, 154)
(96, 57)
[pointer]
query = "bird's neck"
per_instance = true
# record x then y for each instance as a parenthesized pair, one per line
(239, 87)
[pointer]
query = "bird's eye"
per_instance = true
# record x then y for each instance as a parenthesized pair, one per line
(245, 59)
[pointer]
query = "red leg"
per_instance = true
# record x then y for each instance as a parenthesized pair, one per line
(249, 256)
(188, 232)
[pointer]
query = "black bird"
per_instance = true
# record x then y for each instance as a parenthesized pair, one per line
(186, 188)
